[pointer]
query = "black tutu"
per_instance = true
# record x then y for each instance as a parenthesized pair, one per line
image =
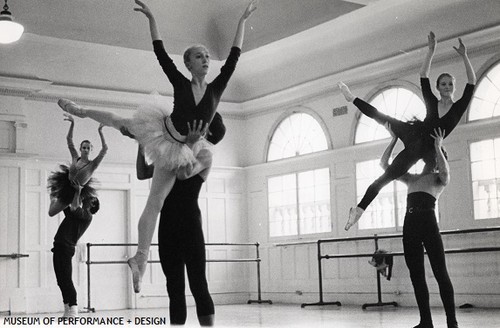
(60, 186)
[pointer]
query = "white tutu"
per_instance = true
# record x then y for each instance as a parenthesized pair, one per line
(162, 144)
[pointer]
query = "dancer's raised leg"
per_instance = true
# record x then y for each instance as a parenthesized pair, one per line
(399, 166)
(56, 206)
(162, 183)
(103, 117)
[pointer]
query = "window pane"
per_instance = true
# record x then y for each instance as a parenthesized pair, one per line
(312, 212)
(282, 202)
(380, 213)
(298, 134)
(486, 100)
(397, 102)
(485, 172)
(314, 201)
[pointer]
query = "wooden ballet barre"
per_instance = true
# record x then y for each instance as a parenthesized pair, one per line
(256, 259)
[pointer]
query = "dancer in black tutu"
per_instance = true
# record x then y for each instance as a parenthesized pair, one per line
(63, 184)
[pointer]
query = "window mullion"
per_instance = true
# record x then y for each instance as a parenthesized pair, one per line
(297, 204)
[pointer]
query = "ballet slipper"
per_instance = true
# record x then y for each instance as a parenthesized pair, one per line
(354, 216)
(344, 89)
(71, 107)
(136, 274)
(73, 311)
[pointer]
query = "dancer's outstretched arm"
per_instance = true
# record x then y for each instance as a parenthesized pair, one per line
(153, 27)
(69, 137)
(426, 65)
(104, 148)
(240, 31)
(442, 163)
(462, 51)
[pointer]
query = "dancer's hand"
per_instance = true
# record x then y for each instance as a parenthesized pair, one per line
(143, 9)
(462, 50)
(69, 118)
(196, 131)
(252, 6)
(431, 41)
(438, 136)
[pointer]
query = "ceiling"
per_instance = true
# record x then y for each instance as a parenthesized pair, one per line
(181, 22)
(104, 44)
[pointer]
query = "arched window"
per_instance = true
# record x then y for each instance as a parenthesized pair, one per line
(486, 100)
(387, 209)
(296, 135)
(298, 202)
(485, 154)
(398, 102)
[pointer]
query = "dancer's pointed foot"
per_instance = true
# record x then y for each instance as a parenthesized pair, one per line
(136, 274)
(71, 107)
(346, 92)
(354, 216)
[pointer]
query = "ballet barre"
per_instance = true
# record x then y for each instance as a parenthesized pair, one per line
(376, 238)
(13, 255)
(257, 259)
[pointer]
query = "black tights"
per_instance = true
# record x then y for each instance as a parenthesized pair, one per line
(417, 141)
(183, 246)
(63, 270)
(421, 230)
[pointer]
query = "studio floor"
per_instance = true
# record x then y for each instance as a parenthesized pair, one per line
(280, 315)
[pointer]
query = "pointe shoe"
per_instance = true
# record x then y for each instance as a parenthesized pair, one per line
(71, 107)
(354, 216)
(344, 89)
(136, 274)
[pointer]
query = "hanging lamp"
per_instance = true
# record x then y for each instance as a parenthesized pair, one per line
(10, 31)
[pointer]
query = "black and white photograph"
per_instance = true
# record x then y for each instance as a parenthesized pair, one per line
(250, 163)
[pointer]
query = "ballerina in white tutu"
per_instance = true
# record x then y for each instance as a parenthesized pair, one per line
(162, 134)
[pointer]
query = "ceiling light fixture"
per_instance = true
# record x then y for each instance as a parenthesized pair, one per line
(10, 31)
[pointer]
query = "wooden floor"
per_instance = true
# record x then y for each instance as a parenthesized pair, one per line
(279, 315)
